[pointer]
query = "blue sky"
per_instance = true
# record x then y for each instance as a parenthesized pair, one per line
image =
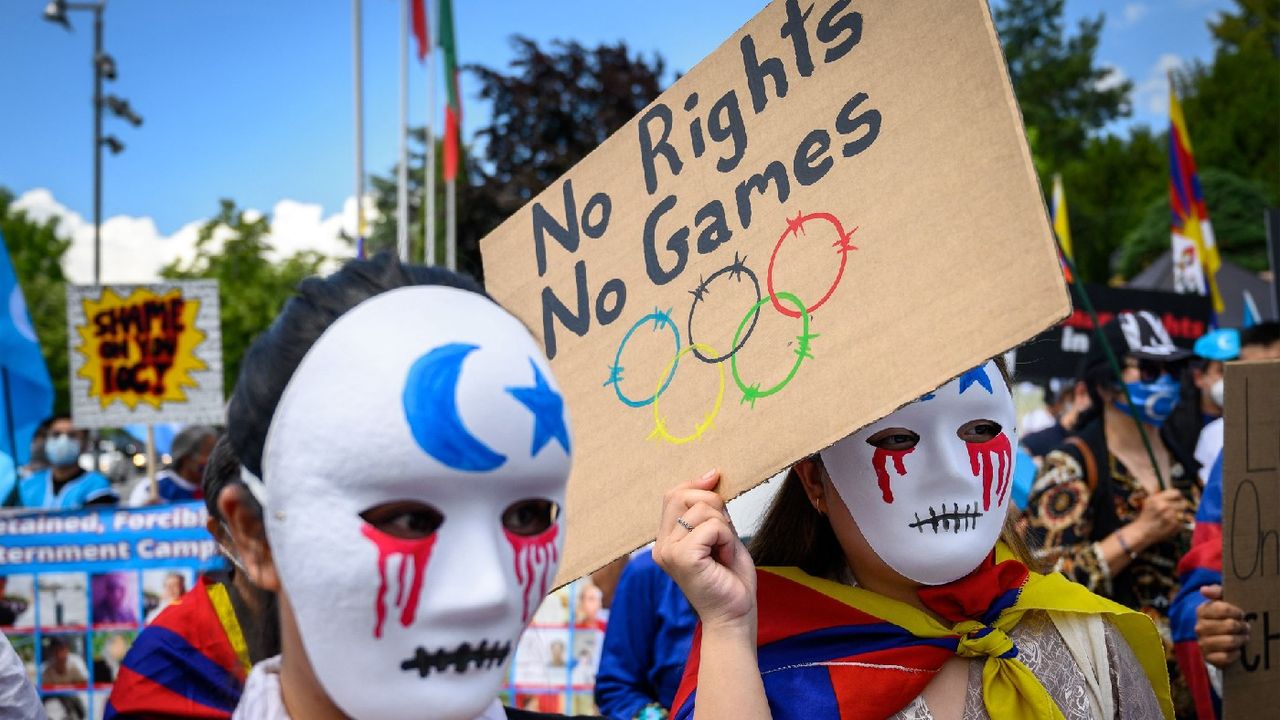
(252, 100)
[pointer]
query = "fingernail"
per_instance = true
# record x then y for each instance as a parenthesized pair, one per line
(710, 474)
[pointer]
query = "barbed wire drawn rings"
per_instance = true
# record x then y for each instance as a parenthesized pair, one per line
(751, 393)
(735, 271)
(660, 429)
(660, 319)
(795, 226)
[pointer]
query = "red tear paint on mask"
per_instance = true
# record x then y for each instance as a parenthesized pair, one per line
(535, 559)
(878, 461)
(417, 551)
(991, 453)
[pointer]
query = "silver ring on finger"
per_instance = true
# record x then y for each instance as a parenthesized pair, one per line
(684, 524)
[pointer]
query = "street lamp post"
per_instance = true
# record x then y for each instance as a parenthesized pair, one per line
(104, 68)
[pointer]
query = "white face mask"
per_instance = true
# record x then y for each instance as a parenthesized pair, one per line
(933, 510)
(1216, 393)
(428, 395)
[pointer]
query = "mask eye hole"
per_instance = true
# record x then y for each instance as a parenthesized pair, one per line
(979, 431)
(530, 517)
(894, 439)
(404, 519)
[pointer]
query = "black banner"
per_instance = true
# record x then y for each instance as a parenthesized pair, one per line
(1058, 351)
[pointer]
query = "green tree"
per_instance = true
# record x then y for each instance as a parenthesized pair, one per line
(549, 110)
(251, 288)
(1063, 93)
(36, 251)
(1235, 208)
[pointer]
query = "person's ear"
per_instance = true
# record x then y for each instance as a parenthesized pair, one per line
(249, 535)
(809, 470)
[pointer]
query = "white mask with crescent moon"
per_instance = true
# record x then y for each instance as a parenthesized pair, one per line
(432, 412)
(929, 485)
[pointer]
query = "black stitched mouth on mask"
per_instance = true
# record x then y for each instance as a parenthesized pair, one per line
(953, 520)
(461, 658)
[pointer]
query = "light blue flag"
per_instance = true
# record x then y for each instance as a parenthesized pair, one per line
(1249, 312)
(26, 393)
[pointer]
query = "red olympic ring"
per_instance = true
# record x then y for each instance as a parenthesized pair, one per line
(794, 226)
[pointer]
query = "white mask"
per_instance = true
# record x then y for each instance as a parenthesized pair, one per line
(1216, 393)
(437, 396)
(932, 511)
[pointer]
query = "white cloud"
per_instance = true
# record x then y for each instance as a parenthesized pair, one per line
(1112, 77)
(1132, 13)
(1152, 94)
(133, 249)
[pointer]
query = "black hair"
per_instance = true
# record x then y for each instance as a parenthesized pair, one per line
(275, 355)
(223, 469)
(1263, 334)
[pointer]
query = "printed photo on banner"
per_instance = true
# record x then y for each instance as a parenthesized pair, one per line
(115, 599)
(17, 601)
(63, 665)
(145, 354)
(64, 600)
(67, 706)
(161, 587)
(109, 649)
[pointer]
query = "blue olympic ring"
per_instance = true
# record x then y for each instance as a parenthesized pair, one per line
(615, 373)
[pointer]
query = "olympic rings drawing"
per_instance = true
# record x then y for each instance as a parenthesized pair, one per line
(660, 428)
(794, 227)
(735, 272)
(746, 327)
(659, 319)
(751, 393)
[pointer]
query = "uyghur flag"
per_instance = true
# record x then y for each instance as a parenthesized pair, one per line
(25, 389)
(1061, 226)
(1195, 254)
(453, 111)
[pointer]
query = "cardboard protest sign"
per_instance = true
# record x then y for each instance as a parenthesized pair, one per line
(832, 214)
(1058, 351)
(1251, 533)
(145, 353)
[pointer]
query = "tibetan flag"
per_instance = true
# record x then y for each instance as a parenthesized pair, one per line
(1061, 226)
(1195, 254)
(420, 29)
(453, 111)
(190, 662)
(1201, 566)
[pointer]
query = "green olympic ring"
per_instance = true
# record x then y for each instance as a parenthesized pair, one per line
(751, 393)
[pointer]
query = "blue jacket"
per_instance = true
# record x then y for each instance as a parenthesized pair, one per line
(36, 491)
(646, 642)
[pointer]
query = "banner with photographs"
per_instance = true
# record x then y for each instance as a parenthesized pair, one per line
(76, 587)
(556, 661)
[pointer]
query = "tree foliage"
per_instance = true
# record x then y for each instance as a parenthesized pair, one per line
(1064, 94)
(233, 248)
(36, 251)
(550, 108)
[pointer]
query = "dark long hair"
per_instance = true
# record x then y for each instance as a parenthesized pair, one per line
(794, 533)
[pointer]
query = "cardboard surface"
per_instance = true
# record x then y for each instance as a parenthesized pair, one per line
(866, 163)
(1058, 351)
(145, 353)
(1251, 533)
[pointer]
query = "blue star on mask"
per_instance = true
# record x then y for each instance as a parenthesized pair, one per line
(976, 375)
(547, 407)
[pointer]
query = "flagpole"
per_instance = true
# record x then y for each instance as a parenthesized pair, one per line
(358, 68)
(429, 182)
(402, 193)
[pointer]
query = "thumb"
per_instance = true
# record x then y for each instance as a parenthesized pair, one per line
(1213, 592)
(707, 480)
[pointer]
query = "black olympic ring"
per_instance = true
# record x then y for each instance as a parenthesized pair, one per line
(735, 270)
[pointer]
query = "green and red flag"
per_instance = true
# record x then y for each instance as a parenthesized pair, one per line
(453, 111)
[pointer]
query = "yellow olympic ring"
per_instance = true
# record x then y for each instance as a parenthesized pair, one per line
(660, 427)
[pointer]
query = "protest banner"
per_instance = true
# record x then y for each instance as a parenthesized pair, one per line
(87, 581)
(1251, 533)
(1058, 351)
(145, 353)
(832, 214)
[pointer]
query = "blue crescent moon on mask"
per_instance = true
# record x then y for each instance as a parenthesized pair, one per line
(431, 408)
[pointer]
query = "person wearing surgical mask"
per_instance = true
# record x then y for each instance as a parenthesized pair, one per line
(406, 448)
(64, 485)
(886, 581)
(1098, 511)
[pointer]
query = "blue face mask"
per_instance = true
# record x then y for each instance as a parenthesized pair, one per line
(62, 450)
(1153, 401)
